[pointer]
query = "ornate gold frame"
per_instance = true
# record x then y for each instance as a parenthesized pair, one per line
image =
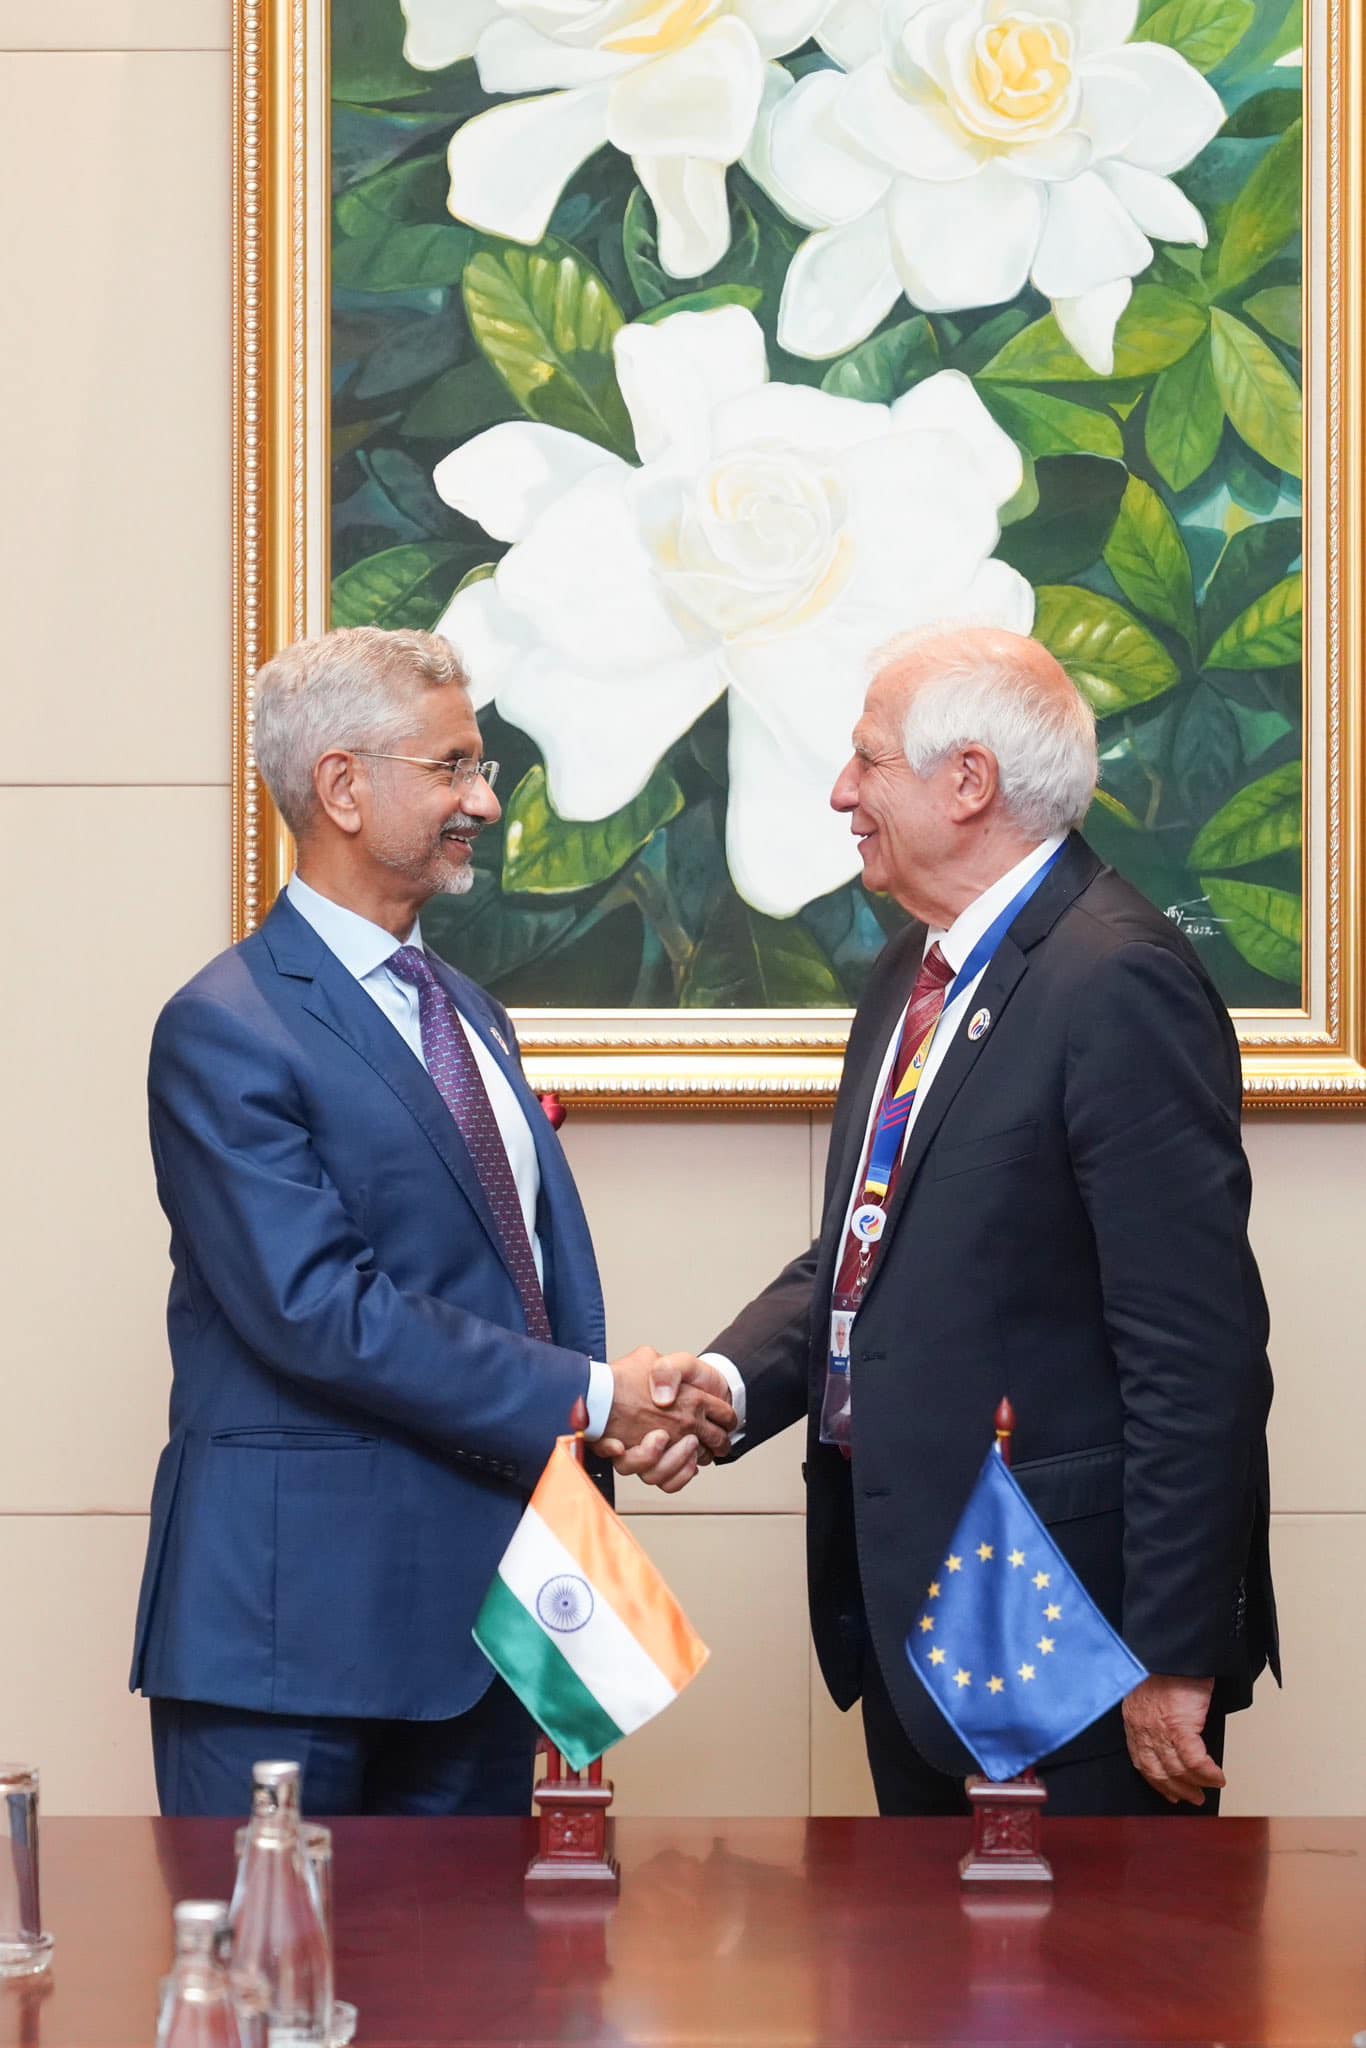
(1309, 1059)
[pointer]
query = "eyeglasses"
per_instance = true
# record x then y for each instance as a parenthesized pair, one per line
(462, 772)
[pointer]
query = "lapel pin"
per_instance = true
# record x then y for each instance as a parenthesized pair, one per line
(500, 1040)
(980, 1025)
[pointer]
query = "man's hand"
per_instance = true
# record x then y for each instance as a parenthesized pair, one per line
(672, 1409)
(1164, 1720)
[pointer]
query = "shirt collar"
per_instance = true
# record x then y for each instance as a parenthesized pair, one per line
(360, 945)
(967, 928)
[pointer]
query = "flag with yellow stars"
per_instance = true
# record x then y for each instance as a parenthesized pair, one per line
(1008, 1642)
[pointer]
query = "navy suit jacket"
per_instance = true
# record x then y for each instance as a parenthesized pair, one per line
(1069, 1227)
(357, 1412)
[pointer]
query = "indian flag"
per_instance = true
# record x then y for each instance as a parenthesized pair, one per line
(580, 1623)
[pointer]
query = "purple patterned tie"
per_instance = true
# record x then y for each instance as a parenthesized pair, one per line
(452, 1065)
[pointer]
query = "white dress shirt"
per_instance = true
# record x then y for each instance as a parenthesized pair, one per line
(956, 944)
(364, 949)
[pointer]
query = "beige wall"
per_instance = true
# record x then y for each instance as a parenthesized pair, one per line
(114, 127)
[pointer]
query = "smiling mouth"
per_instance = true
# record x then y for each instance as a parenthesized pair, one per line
(464, 835)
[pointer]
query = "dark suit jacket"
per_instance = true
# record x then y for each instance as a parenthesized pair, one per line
(357, 1412)
(1069, 1228)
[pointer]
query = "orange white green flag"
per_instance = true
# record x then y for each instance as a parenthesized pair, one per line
(579, 1622)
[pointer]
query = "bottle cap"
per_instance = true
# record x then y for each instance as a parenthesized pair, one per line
(275, 1788)
(210, 1914)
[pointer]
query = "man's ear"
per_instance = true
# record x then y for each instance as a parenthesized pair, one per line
(976, 782)
(334, 779)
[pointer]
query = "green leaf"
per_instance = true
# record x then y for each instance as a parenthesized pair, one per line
(747, 961)
(1269, 634)
(547, 855)
(1113, 660)
(1264, 819)
(460, 400)
(1185, 420)
(1118, 810)
(1260, 396)
(1204, 31)
(488, 936)
(749, 295)
(545, 320)
(1280, 310)
(1266, 212)
(883, 368)
(1147, 558)
(404, 586)
(1253, 560)
(1265, 925)
(366, 38)
(1079, 500)
(1043, 424)
(1156, 328)
(480, 573)
(401, 259)
(403, 195)
(1266, 113)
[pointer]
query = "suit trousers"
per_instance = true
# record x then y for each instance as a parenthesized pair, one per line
(1109, 1784)
(478, 1763)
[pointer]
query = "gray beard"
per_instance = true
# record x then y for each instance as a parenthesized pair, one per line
(458, 882)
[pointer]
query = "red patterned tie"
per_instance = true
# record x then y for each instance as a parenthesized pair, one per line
(927, 1001)
(452, 1065)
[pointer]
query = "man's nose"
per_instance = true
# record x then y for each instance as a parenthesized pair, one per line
(844, 795)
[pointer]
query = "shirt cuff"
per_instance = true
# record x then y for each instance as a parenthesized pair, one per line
(731, 1375)
(601, 1393)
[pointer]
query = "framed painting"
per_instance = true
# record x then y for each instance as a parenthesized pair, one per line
(669, 356)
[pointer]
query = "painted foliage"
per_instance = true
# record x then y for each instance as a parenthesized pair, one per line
(685, 350)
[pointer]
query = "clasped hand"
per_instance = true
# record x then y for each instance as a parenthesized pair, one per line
(670, 1413)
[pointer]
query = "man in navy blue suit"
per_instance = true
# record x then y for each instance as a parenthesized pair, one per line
(384, 1303)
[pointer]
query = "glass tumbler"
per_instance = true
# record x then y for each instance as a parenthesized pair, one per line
(24, 1948)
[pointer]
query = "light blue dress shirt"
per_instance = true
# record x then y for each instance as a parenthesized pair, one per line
(364, 949)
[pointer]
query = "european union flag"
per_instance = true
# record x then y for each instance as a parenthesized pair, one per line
(1011, 1647)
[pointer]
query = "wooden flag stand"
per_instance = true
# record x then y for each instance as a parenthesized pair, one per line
(1007, 1818)
(574, 1852)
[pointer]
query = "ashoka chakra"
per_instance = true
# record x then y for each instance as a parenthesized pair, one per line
(565, 1604)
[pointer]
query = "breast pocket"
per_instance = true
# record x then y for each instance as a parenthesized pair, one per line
(997, 1148)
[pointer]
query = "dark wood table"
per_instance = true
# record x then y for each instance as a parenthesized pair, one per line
(743, 1932)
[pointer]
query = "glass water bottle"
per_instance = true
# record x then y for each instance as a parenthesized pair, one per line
(198, 2005)
(279, 1946)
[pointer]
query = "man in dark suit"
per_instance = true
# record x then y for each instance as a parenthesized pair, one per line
(1061, 1217)
(384, 1304)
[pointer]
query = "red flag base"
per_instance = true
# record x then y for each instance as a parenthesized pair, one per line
(1006, 1832)
(573, 1855)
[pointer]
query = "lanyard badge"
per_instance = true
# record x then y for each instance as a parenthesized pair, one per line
(869, 1218)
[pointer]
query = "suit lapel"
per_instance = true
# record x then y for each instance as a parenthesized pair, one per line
(334, 996)
(1076, 869)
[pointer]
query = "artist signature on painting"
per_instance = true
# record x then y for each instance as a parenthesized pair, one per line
(1195, 918)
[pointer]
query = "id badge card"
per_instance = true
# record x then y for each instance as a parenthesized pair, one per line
(836, 1413)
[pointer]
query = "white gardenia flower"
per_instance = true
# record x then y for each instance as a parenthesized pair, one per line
(773, 537)
(674, 84)
(971, 146)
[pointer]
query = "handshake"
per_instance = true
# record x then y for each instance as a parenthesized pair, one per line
(670, 1413)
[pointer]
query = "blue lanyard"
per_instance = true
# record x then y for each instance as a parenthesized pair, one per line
(892, 1117)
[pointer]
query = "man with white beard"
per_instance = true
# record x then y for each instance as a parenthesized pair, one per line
(384, 1303)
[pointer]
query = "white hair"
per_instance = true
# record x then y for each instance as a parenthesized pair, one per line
(1044, 740)
(353, 688)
